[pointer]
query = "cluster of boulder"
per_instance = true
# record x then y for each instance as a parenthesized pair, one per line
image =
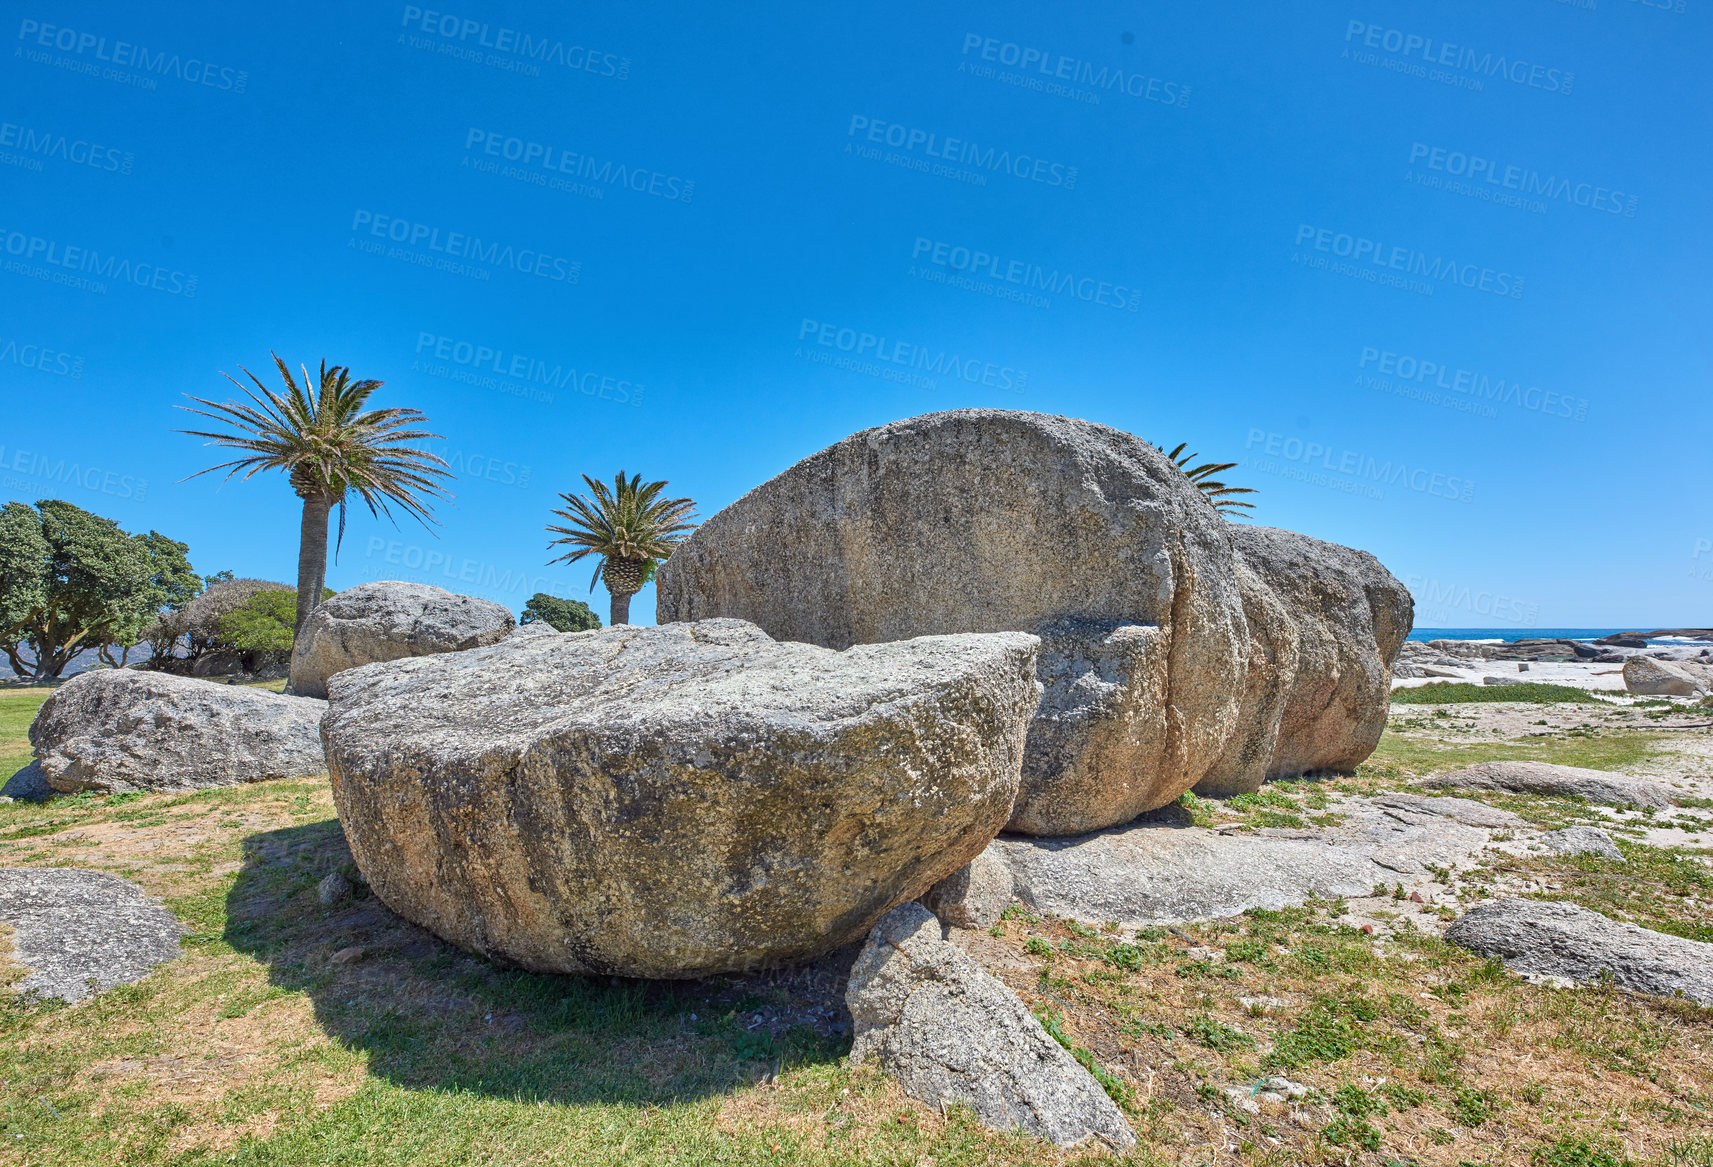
(865, 670)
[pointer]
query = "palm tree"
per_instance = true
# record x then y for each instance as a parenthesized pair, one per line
(1214, 491)
(630, 527)
(328, 445)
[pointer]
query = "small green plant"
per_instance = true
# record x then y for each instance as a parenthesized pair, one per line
(1216, 1036)
(1036, 946)
(1576, 1151)
(1354, 1105)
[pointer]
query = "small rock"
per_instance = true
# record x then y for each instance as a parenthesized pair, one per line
(1243, 1098)
(332, 888)
(1367, 929)
(348, 955)
(1416, 898)
(1522, 667)
(974, 896)
(1582, 841)
(1559, 781)
(1262, 1004)
(72, 926)
(948, 1031)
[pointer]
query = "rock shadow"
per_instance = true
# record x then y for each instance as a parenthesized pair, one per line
(431, 1016)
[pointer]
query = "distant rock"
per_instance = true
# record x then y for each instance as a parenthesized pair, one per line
(117, 730)
(1573, 943)
(1664, 678)
(950, 1033)
(674, 801)
(1581, 840)
(73, 927)
(1544, 778)
(389, 620)
(974, 896)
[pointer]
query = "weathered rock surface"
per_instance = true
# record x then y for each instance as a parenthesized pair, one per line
(389, 620)
(1544, 778)
(1666, 678)
(997, 520)
(72, 926)
(1581, 841)
(674, 801)
(1567, 941)
(1162, 872)
(949, 1032)
(118, 730)
(1464, 810)
(974, 896)
(1339, 619)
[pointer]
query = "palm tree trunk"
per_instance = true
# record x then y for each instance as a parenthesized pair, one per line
(311, 557)
(620, 611)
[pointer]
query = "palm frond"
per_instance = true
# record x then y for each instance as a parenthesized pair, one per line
(1214, 491)
(628, 521)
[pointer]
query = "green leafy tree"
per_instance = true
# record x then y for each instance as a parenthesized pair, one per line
(71, 580)
(630, 527)
(561, 614)
(1216, 492)
(330, 447)
(262, 623)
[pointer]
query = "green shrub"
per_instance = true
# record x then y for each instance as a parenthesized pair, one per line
(561, 614)
(262, 623)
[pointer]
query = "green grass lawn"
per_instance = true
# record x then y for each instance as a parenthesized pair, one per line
(1459, 692)
(17, 709)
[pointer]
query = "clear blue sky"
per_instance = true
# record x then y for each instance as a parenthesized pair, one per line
(1436, 275)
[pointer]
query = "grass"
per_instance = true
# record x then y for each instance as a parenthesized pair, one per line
(1605, 750)
(17, 709)
(1458, 692)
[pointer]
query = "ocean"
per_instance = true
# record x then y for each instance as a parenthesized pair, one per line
(1510, 634)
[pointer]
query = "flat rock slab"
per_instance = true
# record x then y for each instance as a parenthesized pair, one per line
(1464, 810)
(1157, 873)
(950, 1032)
(675, 801)
(122, 730)
(1544, 778)
(1570, 942)
(72, 927)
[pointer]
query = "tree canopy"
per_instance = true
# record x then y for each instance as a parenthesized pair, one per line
(561, 614)
(71, 580)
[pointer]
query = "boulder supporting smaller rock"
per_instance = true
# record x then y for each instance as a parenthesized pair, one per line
(974, 896)
(80, 932)
(1544, 778)
(121, 730)
(1581, 841)
(389, 620)
(950, 1032)
(1572, 943)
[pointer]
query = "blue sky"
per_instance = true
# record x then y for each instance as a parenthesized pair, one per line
(1435, 275)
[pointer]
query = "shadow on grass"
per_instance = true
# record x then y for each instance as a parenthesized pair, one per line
(431, 1016)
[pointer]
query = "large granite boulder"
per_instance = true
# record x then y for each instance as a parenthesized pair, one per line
(675, 801)
(1563, 940)
(1151, 621)
(1666, 678)
(388, 620)
(120, 730)
(950, 1032)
